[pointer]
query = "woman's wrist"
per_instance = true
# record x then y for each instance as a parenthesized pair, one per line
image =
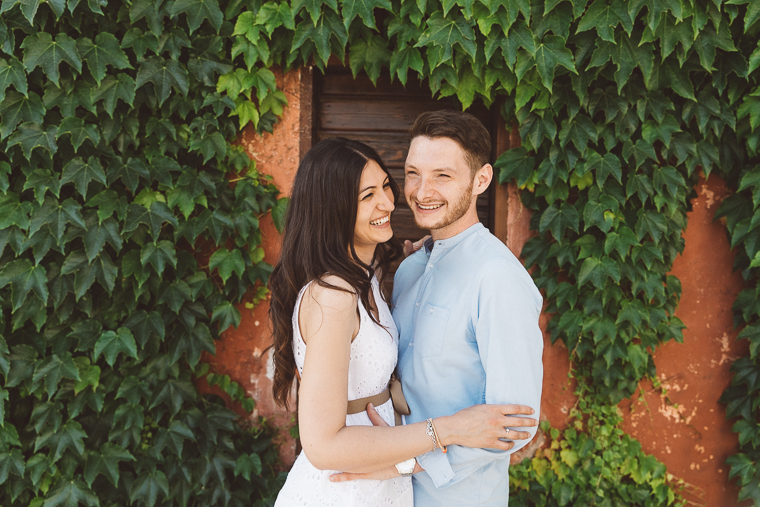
(443, 431)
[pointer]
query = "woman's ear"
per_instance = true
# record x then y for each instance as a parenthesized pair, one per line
(482, 179)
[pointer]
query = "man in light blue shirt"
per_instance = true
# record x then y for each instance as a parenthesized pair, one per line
(466, 309)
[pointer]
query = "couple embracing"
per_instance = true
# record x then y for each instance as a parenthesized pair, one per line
(461, 335)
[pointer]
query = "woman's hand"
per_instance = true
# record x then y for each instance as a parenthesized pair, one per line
(484, 426)
(410, 248)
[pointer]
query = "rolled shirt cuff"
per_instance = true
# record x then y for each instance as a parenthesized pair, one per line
(437, 466)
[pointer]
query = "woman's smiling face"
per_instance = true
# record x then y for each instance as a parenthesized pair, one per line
(373, 215)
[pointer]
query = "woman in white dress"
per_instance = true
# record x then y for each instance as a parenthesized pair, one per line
(333, 330)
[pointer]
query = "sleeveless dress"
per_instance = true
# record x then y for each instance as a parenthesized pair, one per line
(374, 353)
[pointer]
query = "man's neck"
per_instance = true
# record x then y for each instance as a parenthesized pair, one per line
(461, 225)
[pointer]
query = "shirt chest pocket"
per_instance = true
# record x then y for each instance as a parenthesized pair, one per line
(430, 333)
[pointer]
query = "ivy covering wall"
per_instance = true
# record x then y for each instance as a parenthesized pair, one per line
(620, 106)
(128, 231)
(129, 226)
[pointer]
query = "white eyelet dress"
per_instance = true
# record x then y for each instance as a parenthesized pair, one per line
(374, 353)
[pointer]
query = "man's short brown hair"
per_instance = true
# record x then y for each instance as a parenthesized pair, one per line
(463, 128)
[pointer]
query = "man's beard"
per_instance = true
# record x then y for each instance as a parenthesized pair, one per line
(457, 211)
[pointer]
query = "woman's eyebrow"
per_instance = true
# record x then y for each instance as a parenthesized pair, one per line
(368, 188)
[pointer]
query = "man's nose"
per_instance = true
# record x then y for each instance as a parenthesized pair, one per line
(425, 189)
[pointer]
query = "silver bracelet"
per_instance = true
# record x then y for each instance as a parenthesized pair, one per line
(431, 433)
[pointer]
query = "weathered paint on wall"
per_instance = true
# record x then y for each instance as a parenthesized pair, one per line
(681, 422)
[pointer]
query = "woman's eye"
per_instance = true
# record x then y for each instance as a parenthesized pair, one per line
(387, 185)
(366, 197)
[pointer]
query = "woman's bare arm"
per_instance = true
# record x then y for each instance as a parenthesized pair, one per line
(328, 321)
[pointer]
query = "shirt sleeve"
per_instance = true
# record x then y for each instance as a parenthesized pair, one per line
(510, 344)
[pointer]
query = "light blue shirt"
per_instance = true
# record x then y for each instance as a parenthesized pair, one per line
(467, 313)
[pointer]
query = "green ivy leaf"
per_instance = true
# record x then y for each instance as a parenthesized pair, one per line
(105, 51)
(652, 223)
(113, 343)
(227, 315)
(148, 486)
(106, 462)
(446, 33)
(101, 268)
(404, 59)
(42, 181)
(605, 17)
(139, 41)
(52, 370)
(42, 51)
(515, 163)
(158, 254)
(56, 215)
(142, 324)
(31, 136)
(158, 214)
(81, 173)
(273, 15)
(69, 436)
(174, 437)
(626, 53)
(328, 25)
(11, 461)
(248, 464)
(164, 75)
(17, 108)
(364, 9)
(12, 73)
(98, 233)
(79, 132)
(313, 7)
(370, 54)
(71, 492)
(197, 11)
(279, 212)
(557, 218)
(227, 262)
(24, 278)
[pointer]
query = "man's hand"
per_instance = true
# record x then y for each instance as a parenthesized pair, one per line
(410, 248)
(485, 426)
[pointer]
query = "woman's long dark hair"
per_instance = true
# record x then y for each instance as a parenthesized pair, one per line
(318, 236)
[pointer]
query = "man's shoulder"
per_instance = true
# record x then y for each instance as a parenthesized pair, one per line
(497, 267)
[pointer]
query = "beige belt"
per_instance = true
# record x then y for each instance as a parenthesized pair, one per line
(393, 392)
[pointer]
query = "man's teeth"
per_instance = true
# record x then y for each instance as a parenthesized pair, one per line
(432, 206)
(380, 221)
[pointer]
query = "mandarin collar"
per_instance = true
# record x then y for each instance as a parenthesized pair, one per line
(452, 241)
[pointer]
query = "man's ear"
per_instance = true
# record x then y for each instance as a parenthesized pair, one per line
(482, 179)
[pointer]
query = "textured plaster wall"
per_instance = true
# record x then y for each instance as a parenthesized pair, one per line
(682, 423)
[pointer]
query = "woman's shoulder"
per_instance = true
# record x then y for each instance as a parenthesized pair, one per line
(330, 291)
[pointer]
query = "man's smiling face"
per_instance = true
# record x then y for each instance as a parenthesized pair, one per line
(438, 185)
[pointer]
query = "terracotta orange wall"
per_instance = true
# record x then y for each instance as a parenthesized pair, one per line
(685, 427)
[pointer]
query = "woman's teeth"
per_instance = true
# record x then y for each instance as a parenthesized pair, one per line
(381, 221)
(432, 206)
